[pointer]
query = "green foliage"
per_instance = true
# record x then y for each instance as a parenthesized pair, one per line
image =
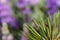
(44, 30)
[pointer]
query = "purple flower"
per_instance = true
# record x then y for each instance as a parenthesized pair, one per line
(23, 37)
(0, 23)
(4, 1)
(51, 6)
(6, 12)
(25, 9)
(33, 2)
(23, 3)
(58, 3)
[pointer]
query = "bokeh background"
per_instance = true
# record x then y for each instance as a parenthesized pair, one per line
(16, 14)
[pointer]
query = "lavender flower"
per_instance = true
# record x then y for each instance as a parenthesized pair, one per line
(33, 2)
(26, 11)
(6, 12)
(23, 38)
(4, 37)
(51, 6)
(0, 23)
(23, 3)
(58, 3)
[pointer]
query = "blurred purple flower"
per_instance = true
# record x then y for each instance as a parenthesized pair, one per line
(4, 37)
(4, 1)
(6, 12)
(58, 3)
(0, 22)
(23, 3)
(33, 2)
(51, 6)
(26, 11)
(23, 38)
